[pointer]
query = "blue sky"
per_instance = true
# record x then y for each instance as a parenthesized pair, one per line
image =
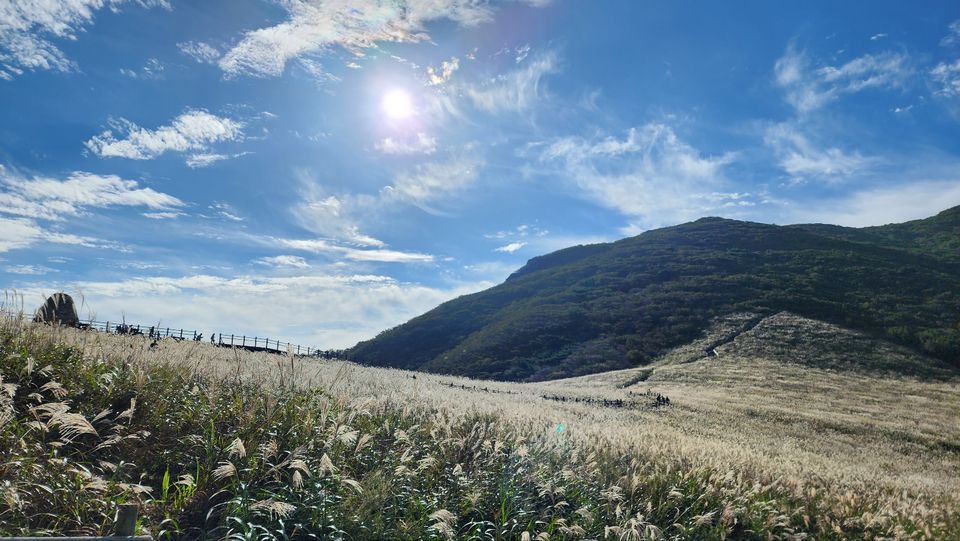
(322, 170)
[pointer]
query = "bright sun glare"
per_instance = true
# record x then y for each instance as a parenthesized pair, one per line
(397, 104)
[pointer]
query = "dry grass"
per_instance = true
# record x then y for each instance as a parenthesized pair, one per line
(871, 445)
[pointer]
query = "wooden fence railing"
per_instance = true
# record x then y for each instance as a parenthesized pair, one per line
(254, 343)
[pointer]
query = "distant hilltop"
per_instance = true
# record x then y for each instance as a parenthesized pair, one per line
(619, 305)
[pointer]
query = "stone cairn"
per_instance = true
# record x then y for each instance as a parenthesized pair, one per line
(59, 309)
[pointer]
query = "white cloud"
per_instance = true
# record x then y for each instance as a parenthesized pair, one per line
(52, 199)
(808, 88)
(802, 159)
(947, 77)
(315, 26)
(162, 215)
(521, 231)
(518, 90)
(193, 130)
(294, 261)
(878, 36)
(30, 270)
(439, 76)
(383, 255)
(153, 69)
(650, 174)
(522, 52)
(881, 205)
(19, 233)
(203, 53)
(333, 216)
(28, 201)
(195, 161)
(494, 271)
(953, 38)
(226, 210)
(343, 309)
(430, 182)
(337, 218)
(511, 248)
(420, 144)
(28, 26)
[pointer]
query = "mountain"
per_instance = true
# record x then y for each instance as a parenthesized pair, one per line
(619, 305)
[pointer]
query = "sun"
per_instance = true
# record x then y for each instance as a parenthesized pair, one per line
(397, 105)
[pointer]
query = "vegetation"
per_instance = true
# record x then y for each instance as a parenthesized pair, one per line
(612, 306)
(219, 443)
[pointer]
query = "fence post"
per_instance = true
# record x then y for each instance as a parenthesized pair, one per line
(126, 520)
(298, 349)
(244, 342)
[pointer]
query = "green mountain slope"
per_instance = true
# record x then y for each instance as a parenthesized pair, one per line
(610, 306)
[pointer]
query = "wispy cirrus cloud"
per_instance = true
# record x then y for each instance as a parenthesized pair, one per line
(151, 70)
(169, 215)
(650, 174)
(206, 159)
(28, 202)
(340, 217)
(946, 75)
(332, 216)
(881, 205)
(517, 90)
(293, 261)
(193, 131)
(420, 143)
(432, 182)
(802, 159)
(19, 233)
(29, 28)
(314, 26)
(200, 51)
(352, 253)
(809, 87)
(952, 39)
(53, 199)
(28, 270)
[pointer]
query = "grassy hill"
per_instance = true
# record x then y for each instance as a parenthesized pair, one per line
(612, 306)
(760, 442)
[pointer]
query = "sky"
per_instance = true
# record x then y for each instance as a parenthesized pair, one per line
(319, 171)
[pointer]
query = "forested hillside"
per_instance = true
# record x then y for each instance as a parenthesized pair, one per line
(609, 306)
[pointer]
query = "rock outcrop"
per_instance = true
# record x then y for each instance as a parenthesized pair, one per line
(58, 310)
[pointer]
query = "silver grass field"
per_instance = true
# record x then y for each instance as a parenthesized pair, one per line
(760, 441)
